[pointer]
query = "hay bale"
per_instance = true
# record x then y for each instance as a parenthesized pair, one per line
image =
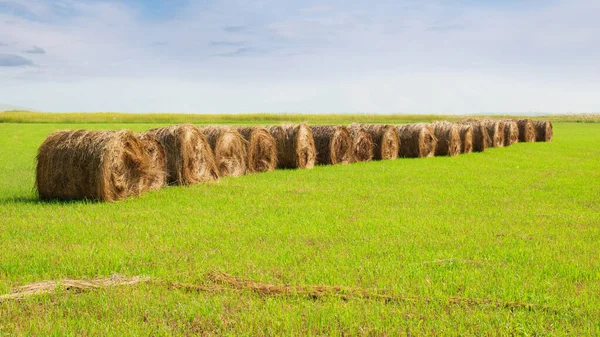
(543, 131)
(158, 162)
(386, 143)
(481, 138)
(448, 138)
(333, 144)
(495, 129)
(362, 142)
(416, 140)
(189, 157)
(295, 145)
(466, 137)
(511, 132)
(229, 149)
(96, 165)
(526, 130)
(262, 150)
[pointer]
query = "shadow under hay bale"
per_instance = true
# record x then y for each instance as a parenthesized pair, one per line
(511, 132)
(333, 144)
(543, 131)
(262, 150)
(481, 138)
(362, 143)
(416, 140)
(295, 145)
(466, 137)
(158, 162)
(95, 165)
(229, 149)
(526, 130)
(189, 157)
(448, 138)
(386, 143)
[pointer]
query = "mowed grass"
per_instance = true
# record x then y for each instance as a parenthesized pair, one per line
(516, 225)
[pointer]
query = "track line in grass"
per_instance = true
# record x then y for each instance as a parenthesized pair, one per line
(219, 282)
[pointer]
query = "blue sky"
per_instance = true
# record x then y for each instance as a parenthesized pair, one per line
(403, 56)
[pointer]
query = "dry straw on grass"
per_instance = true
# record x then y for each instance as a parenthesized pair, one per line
(50, 287)
(543, 131)
(495, 129)
(386, 143)
(262, 150)
(158, 162)
(229, 149)
(362, 143)
(333, 144)
(189, 156)
(295, 145)
(466, 137)
(96, 165)
(511, 132)
(448, 138)
(416, 140)
(526, 130)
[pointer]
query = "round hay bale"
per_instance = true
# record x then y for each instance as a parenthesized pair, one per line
(543, 131)
(511, 132)
(189, 157)
(466, 137)
(229, 149)
(481, 138)
(362, 142)
(158, 162)
(96, 165)
(295, 145)
(386, 143)
(448, 139)
(416, 140)
(496, 131)
(262, 150)
(526, 130)
(333, 144)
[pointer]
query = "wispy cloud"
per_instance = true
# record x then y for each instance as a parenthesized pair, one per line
(10, 60)
(35, 50)
(446, 28)
(226, 43)
(235, 29)
(240, 52)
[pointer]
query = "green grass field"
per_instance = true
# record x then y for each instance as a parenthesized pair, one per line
(495, 243)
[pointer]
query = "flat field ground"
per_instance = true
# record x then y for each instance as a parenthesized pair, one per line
(495, 243)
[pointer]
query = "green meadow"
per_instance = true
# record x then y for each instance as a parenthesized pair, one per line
(504, 242)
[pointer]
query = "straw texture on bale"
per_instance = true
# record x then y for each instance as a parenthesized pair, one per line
(448, 138)
(229, 149)
(511, 132)
(158, 162)
(526, 130)
(96, 165)
(481, 138)
(543, 131)
(496, 131)
(466, 137)
(333, 144)
(362, 143)
(386, 143)
(262, 150)
(416, 140)
(295, 145)
(189, 157)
